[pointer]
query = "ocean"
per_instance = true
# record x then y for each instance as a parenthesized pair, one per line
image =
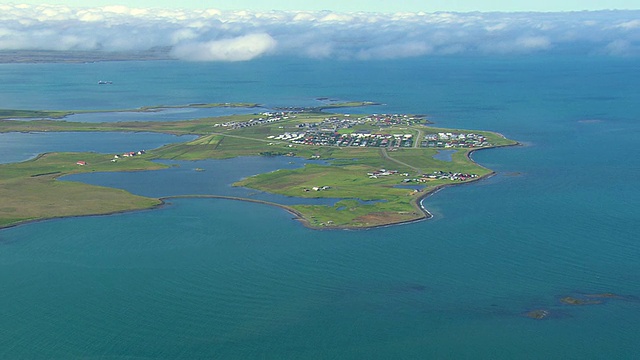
(213, 278)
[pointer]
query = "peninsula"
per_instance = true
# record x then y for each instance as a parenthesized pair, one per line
(380, 165)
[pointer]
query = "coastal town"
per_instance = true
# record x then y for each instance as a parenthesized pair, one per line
(356, 131)
(347, 131)
(365, 138)
(332, 123)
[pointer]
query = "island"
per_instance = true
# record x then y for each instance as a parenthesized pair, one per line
(380, 166)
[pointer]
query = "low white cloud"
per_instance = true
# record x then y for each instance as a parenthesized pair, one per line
(632, 24)
(333, 17)
(621, 48)
(241, 48)
(395, 51)
(182, 35)
(533, 42)
(214, 35)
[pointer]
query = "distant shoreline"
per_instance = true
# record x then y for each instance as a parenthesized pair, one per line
(58, 57)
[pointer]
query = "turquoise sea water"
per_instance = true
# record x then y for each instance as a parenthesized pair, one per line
(210, 278)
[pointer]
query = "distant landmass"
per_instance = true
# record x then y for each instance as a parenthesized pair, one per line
(50, 56)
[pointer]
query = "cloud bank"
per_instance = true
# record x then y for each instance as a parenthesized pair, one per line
(240, 48)
(214, 35)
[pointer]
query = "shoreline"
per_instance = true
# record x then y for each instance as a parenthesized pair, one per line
(33, 221)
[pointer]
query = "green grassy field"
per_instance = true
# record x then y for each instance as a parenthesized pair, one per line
(30, 190)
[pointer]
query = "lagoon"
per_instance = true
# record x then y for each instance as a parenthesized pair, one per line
(203, 177)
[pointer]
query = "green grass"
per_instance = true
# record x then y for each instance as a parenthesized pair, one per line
(353, 214)
(199, 106)
(346, 104)
(29, 189)
(31, 114)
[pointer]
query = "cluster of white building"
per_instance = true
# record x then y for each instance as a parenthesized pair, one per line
(265, 118)
(128, 154)
(449, 139)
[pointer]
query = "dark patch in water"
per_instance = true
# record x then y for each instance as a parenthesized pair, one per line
(582, 298)
(606, 296)
(543, 313)
(574, 301)
(538, 314)
(4, 241)
(577, 299)
(239, 82)
(409, 288)
(599, 98)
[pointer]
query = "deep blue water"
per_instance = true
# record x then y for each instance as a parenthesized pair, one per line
(210, 278)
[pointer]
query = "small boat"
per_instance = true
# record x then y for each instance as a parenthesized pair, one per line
(102, 82)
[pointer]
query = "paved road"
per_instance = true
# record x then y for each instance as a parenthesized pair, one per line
(383, 152)
(416, 141)
(246, 138)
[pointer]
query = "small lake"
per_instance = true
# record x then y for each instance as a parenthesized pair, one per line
(203, 177)
(15, 147)
(444, 155)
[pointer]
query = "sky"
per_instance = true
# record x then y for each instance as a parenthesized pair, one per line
(218, 34)
(365, 5)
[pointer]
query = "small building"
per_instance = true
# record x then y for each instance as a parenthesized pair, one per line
(81, 163)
